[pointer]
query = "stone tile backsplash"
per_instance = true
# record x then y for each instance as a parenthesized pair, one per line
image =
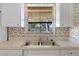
(74, 31)
(19, 33)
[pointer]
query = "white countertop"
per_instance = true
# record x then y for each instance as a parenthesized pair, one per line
(19, 44)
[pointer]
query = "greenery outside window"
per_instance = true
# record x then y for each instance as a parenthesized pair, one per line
(40, 26)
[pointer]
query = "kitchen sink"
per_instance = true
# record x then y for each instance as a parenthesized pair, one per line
(41, 43)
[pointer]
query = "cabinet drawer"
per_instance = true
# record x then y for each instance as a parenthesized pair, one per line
(10, 52)
(41, 53)
(70, 53)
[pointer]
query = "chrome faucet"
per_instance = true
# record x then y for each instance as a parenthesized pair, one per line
(40, 41)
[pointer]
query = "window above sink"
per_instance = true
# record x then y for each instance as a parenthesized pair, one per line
(40, 17)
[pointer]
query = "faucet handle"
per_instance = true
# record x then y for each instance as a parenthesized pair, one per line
(51, 39)
(38, 43)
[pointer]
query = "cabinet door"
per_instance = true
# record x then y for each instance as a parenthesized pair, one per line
(10, 52)
(41, 53)
(66, 14)
(0, 14)
(3, 34)
(11, 14)
(69, 53)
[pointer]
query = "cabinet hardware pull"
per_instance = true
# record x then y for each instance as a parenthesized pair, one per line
(0, 11)
(70, 52)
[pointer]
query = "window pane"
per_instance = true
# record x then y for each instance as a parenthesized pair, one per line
(40, 27)
(34, 27)
(43, 27)
(49, 25)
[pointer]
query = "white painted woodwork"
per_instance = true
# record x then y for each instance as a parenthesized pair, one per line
(10, 52)
(3, 34)
(41, 53)
(12, 14)
(69, 53)
(64, 15)
(40, 5)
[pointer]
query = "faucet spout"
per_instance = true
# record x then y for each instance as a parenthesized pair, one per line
(40, 42)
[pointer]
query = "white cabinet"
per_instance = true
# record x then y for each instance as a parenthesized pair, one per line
(3, 34)
(10, 52)
(51, 52)
(64, 15)
(41, 53)
(3, 30)
(0, 14)
(12, 14)
(69, 53)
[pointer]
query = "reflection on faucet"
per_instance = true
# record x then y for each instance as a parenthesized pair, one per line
(40, 41)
